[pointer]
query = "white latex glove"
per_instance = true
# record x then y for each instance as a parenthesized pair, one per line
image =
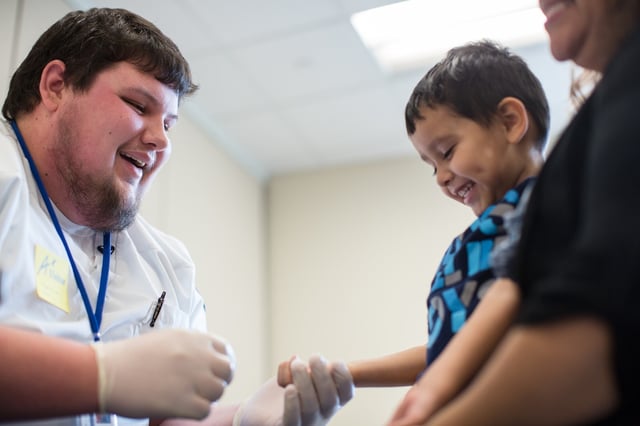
(166, 373)
(318, 391)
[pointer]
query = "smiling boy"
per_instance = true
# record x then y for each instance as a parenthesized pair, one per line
(480, 118)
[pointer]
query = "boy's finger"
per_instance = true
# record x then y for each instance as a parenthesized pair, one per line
(284, 372)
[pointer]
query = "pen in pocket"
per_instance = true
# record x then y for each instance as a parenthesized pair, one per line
(156, 311)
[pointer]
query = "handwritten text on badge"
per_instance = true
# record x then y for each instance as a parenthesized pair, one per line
(52, 274)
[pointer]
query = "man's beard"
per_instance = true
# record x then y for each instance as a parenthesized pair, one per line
(96, 199)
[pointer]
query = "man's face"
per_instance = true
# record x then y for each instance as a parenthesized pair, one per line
(111, 140)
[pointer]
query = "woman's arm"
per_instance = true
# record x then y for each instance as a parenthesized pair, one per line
(463, 357)
(556, 373)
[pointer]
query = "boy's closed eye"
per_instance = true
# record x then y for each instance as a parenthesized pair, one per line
(448, 153)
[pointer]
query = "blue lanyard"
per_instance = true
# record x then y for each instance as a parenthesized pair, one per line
(95, 318)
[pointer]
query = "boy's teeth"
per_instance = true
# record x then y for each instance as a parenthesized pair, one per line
(464, 191)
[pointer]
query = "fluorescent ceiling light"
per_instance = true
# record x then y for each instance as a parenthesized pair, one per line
(410, 33)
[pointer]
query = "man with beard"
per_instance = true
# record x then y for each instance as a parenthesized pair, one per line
(88, 113)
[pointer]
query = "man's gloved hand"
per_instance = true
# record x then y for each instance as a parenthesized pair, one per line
(166, 373)
(318, 391)
(322, 390)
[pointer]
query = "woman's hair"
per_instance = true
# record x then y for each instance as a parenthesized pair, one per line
(583, 81)
(89, 42)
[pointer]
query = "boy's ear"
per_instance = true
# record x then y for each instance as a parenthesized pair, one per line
(52, 84)
(514, 117)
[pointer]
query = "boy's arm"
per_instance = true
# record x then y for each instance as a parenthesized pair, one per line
(397, 369)
(464, 355)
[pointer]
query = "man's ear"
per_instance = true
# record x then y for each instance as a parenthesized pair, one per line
(52, 84)
(514, 118)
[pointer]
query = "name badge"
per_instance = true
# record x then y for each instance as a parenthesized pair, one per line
(52, 278)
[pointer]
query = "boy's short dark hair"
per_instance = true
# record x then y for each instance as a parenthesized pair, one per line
(472, 80)
(89, 42)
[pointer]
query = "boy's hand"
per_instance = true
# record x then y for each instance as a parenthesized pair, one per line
(323, 389)
(315, 392)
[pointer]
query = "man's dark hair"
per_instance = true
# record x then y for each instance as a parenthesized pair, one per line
(89, 42)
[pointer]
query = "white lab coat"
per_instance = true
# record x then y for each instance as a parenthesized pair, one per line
(145, 263)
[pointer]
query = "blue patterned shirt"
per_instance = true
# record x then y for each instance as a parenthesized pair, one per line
(465, 272)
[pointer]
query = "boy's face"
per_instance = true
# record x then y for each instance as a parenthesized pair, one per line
(473, 164)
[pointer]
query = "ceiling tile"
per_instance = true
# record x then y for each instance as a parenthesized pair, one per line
(344, 128)
(319, 61)
(225, 88)
(240, 22)
(270, 139)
